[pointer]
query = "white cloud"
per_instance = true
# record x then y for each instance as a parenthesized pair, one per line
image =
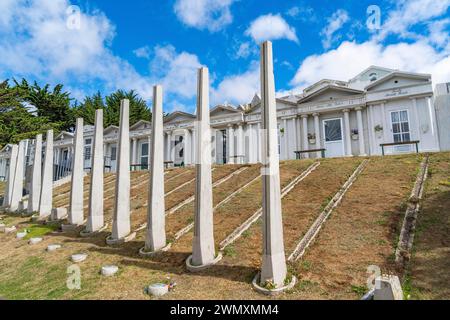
(213, 15)
(350, 58)
(335, 22)
(177, 72)
(143, 52)
(409, 13)
(238, 88)
(302, 13)
(271, 27)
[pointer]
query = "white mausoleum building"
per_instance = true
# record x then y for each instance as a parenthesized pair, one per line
(345, 118)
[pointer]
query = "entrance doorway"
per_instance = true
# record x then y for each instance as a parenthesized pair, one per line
(334, 143)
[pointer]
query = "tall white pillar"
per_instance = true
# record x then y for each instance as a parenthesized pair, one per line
(317, 132)
(156, 227)
(46, 199)
(295, 126)
(76, 216)
(251, 144)
(134, 152)
(193, 146)
(121, 217)
(231, 152)
(273, 261)
(17, 190)
(95, 220)
(362, 148)
(305, 144)
(432, 114)
(240, 143)
(258, 142)
(173, 148)
(35, 189)
(11, 174)
(348, 141)
(203, 250)
(187, 147)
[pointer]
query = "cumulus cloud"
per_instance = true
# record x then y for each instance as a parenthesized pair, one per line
(350, 58)
(335, 23)
(409, 13)
(271, 27)
(143, 52)
(237, 88)
(212, 15)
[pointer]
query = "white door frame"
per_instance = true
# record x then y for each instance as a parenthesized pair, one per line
(325, 138)
(401, 133)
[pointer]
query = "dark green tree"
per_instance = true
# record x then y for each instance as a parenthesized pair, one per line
(86, 109)
(138, 107)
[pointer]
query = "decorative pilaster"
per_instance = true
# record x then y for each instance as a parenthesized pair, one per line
(317, 132)
(285, 140)
(240, 144)
(305, 145)
(231, 152)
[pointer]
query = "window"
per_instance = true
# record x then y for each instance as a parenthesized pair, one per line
(113, 153)
(400, 126)
(88, 141)
(373, 76)
(87, 153)
(144, 156)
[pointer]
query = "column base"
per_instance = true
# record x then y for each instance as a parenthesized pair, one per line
(362, 155)
(112, 242)
(146, 254)
(85, 234)
(71, 227)
(193, 268)
(272, 292)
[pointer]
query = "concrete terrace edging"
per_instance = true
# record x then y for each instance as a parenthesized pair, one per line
(272, 292)
(310, 235)
(247, 224)
(406, 239)
(194, 269)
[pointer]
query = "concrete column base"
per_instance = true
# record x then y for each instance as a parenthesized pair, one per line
(146, 254)
(272, 292)
(112, 242)
(193, 268)
(71, 227)
(85, 234)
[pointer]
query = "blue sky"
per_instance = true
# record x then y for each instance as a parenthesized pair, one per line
(111, 45)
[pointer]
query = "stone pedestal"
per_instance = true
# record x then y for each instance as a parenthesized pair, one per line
(273, 269)
(17, 189)
(76, 216)
(11, 174)
(203, 250)
(121, 217)
(46, 198)
(95, 221)
(35, 190)
(156, 226)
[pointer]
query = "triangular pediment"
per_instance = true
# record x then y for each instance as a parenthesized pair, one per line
(178, 116)
(221, 110)
(399, 79)
(141, 125)
(63, 135)
(330, 92)
(111, 130)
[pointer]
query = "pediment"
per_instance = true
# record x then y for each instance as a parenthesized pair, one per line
(111, 130)
(178, 116)
(223, 111)
(141, 125)
(330, 93)
(64, 135)
(398, 79)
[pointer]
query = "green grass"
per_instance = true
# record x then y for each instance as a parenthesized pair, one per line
(229, 251)
(39, 230)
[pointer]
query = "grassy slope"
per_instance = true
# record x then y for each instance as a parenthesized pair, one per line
(361, 231)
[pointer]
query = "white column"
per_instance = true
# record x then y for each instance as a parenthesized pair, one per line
(76, 216)
(384, 123)
(294, 123)
(169, 146)
(362, 148)
(95, 218)
(434, 130)
(285, 140)
(156, 227)
(35, 189)
(240, 143)
(273, 260)
(231, 152)
(203, 250)
(134, 152)
(193, 144)
(187, 147)
(17, 189)
(347, 133)
(11, 174)
(317, 132)
(172, 146)
(121, 217)
(251, 144)
(305, 144)
(46, 201)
